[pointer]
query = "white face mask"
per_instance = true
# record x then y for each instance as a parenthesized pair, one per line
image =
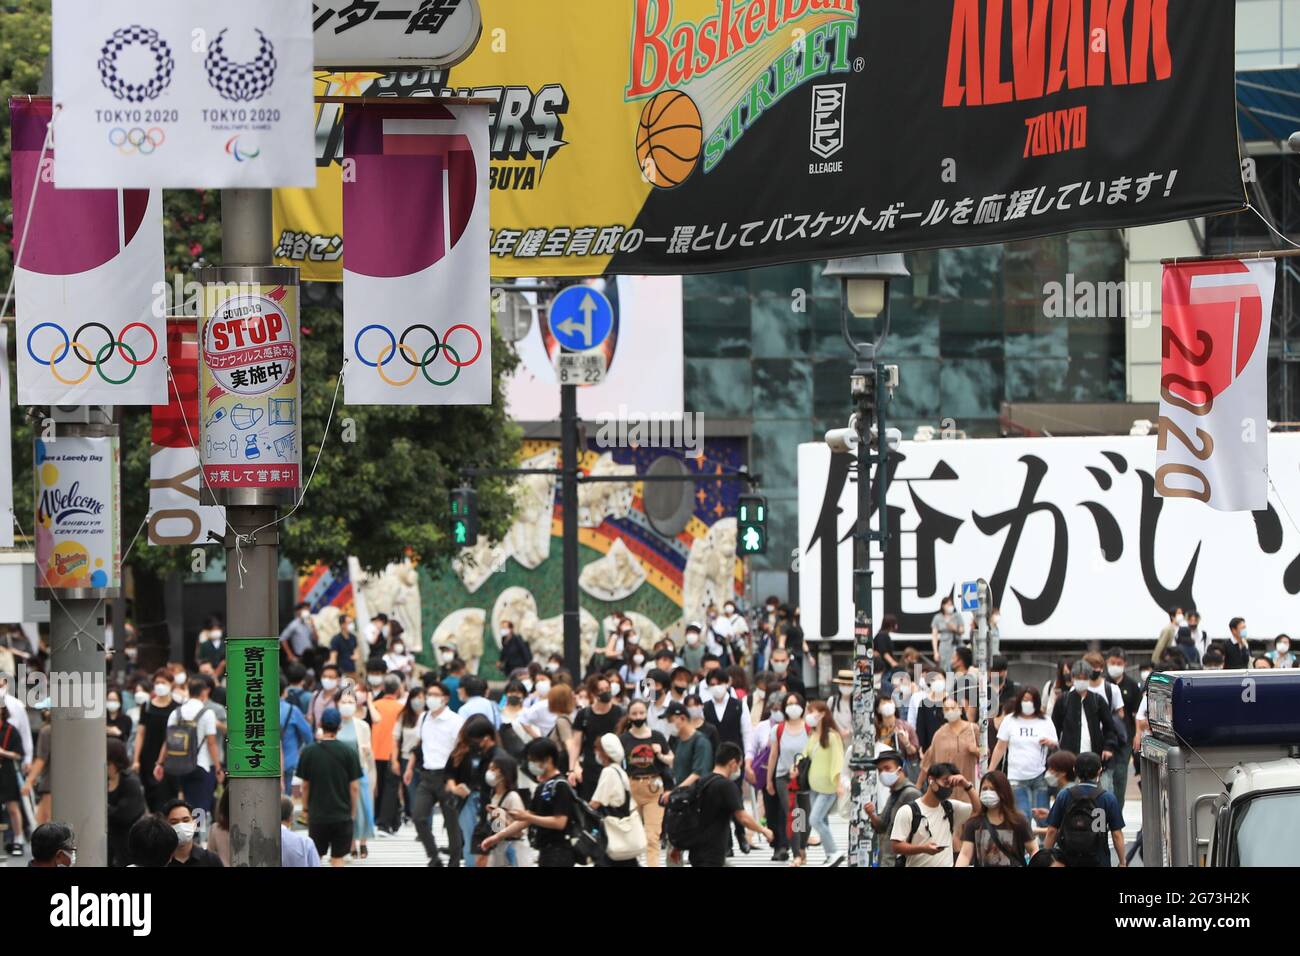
(989, 798)
(543, 688)
(1145, 675)
(398, 649)
(179, 679)
(793, 711)
(417, 704)
(528, 685)
(615, 690)
(735, 774)
(887, 709)
(638, 659)
(113, 706)
(633, 640)
(1180, 620)
(730, 610)
(374, 680)
(939, 686)
(1283, 647)
(161, 690)
(329, 683)
(216, 635)
(1027, 708)
(889, 777)
(347, 710)
(304, 615)
(184, 832)
(952, 716)
(447, 657)
(812, 721)
(719, 692)
(692, 638)
(536, 769)
(780, 667)
(178, 697)
(491, 778)
(1053, 779)
(1116, 671)
(1082, 684)
(141, 698)
(435, 702)
(552, 667)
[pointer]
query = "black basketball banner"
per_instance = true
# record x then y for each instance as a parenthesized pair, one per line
(649, 136)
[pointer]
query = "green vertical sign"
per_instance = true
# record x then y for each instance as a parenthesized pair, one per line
(253, 707)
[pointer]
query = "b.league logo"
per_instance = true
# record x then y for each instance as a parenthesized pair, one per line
(123, 59)
(241, 82)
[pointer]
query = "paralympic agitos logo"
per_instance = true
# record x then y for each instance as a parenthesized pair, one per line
(767, 48)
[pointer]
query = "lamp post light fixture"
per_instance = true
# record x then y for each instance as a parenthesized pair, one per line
(864, 295)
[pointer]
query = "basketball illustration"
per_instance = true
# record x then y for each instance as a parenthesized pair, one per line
(668, 139)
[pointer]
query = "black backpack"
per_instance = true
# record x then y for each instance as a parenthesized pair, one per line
(917, 817)
(585, 832)
(1078, 836)
(684, 819)
(181, 753)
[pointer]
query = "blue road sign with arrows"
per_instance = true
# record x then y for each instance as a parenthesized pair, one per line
(970, 597)
(581, 318)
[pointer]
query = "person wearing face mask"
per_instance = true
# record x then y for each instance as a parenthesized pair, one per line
(1130, 695)
(928, 831)
(998, 834)
(601, 717)
(825, 753)
(649, 768)
(327, 695)
(1236, 650)
(549, 810)
(194, 772)
(397, 659)
(126, 802)
(955, 743)
(726, 715)
(515, 652)
(180, 815)
(354, 733)
(634, 669)
(376, 643)
(1100, 685)
(149, 740)
(438, 729)
(1083, 719)
(212, 647)
(1281, 654)
(117, 724)
(925, 710)
(789, 738)
(1060, 778)
(613, 794)
(53, 845)
(295, 734)
(299, 640)
(473, 695)
(1059, 685)
(780, 658)
(510, 711)
(1072, 823)
(331, 774)
(502, 779)
(946, 630)
(731, 631)
(889, 765)
(721, 809)
(406, 740)
(693, 652)
(1025, 737)
(383, 713)
(1168, 633)
(896, 734)
(467, 766)
(343, 647)
(455, 674)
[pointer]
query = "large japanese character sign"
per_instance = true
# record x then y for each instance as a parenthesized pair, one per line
(416, 290)
(249, 394)
(1213, 431)
(1071, 534)
(395, 32)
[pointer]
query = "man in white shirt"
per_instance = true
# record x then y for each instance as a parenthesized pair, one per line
(935, 838)
(200, 783)
(438, 727)
(296, 849)
(730, 629)
(18, 717)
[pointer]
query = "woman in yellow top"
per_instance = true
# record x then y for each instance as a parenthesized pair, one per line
(826, 751)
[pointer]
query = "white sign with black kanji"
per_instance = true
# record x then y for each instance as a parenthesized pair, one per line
(183, 94)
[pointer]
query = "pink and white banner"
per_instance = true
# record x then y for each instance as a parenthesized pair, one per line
(91, 328)
(1212, 436)
(416, 285)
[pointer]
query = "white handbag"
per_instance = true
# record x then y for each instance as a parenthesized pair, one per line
(625, 836)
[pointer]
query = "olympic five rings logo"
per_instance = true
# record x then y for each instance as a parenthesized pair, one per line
(419, 362)
(74, 345)
(136, 140)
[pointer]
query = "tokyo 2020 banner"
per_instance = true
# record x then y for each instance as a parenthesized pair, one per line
(658, 137)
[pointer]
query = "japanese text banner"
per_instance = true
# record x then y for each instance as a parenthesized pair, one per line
(1069, 532)
(649, 137)
(1213, 426)
(89, 329)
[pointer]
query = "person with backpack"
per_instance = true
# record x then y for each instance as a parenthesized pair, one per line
(927, 832)
(998, 834)
(295, 734)
(702, 814)
(549, 812)
(889, 765)
(692, 759)
(191, 759)
(1075, 822)
(1083, 718)
(298, 695)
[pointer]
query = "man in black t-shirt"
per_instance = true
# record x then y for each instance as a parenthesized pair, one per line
(592, 723)
(548, 813)
(720, 803)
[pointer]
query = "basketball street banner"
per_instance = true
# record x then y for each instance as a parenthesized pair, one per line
(657, 137)
(179, 93)
(1213, 426)
(416, 290)
(88, 329)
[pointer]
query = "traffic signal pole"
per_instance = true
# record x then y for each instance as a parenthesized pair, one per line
(569, 515)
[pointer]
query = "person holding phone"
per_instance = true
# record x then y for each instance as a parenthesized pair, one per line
(926, 832)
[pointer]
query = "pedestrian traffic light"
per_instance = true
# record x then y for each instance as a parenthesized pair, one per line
(751, 525)
(464, 517)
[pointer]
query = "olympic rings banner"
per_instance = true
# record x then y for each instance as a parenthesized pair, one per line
(416, 289)
(78, 503)
(250, 396)
(184, 94)
(87, 332)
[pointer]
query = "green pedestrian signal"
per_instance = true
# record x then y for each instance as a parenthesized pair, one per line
(464, 517)
(751, 524)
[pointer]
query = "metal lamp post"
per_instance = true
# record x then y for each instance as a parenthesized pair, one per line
(865, 296)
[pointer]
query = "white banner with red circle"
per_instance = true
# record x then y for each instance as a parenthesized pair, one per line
(416, 285)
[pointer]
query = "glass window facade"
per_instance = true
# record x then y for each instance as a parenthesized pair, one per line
(1268, 33)
(969, 330)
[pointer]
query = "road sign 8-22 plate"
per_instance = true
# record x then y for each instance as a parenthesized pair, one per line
(580, 368)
